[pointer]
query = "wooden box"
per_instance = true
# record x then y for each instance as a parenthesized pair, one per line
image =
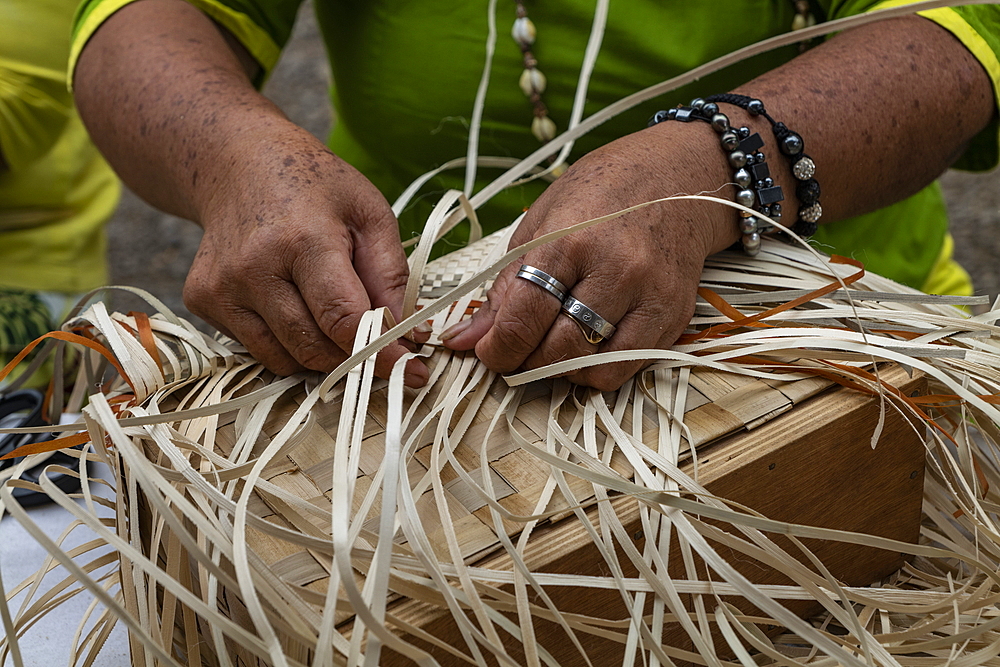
(798, 452)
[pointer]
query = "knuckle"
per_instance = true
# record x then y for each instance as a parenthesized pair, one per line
(517, 333)
(314, 354)
(279, 366)
(201, 295)
(397, 277)
(338, 318)
(609, 377)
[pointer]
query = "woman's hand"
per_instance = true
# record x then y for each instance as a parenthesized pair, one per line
(639, 272)
(297, 243)
(297, 246)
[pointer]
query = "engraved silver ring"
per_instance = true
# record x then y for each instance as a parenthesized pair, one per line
(543, 280)
(594, 327)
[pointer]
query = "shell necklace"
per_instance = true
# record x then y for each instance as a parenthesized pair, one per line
(532, 81)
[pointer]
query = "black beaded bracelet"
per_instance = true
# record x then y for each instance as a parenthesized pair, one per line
(803, 168)
(756, 188)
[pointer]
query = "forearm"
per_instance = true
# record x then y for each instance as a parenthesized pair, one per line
(884, 109)
(169, 102)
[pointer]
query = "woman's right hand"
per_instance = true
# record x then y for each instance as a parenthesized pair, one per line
(297, 243)
(297, 246)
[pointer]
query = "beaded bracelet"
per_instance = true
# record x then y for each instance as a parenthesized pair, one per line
(803, 167)
(751, 170)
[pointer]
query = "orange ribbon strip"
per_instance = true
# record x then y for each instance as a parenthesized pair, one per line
(65, 442)
(752, 320)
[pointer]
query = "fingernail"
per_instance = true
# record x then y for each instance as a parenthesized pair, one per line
(454, 330)
(423, 328)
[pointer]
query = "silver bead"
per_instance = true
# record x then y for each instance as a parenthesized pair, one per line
(748, 225)
(745, 198)
(812, 213)
(720, 123)
(730, 141)
(791, 145)
(737, 159)
(764, 227)
(697, 103)
(804, 169)
(523, 32)
(751, 243)
(742, 178)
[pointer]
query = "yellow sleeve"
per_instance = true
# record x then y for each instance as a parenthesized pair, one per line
(977, 27)
(261, 35)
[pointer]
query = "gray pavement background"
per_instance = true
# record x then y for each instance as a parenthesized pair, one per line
(153, 251)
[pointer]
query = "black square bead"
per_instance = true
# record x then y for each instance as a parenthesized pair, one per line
(751, 144)
(760, 171)
(767, 196)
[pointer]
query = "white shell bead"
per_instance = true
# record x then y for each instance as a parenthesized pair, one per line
(532, 80)
(543, 128)
(523, 32)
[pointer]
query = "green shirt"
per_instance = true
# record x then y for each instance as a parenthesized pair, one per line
(406, 75)
(58, 192)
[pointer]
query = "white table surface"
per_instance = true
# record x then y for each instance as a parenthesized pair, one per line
(47, 643)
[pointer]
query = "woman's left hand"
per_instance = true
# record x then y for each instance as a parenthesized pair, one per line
(639, 272)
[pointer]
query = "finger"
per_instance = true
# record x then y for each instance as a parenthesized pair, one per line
(564, 340)
(524, 314)
(380, 263)
(420, 334)
(243, 326)
(467, 333)
(416, 373)
(568, 337)
(336, 298)
(250, 330)
(643, 328)
(283, 309)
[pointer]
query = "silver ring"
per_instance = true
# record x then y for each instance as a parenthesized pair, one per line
(543, 280)
(594, 327)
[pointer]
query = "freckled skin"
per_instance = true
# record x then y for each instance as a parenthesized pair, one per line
(298, 244)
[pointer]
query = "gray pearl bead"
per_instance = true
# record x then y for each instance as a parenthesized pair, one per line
(751, 243)
(730, 141)
(742, 178)
(720, 123)
(697, 103)
(737, 159)
(745, 198)
(748, 225)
